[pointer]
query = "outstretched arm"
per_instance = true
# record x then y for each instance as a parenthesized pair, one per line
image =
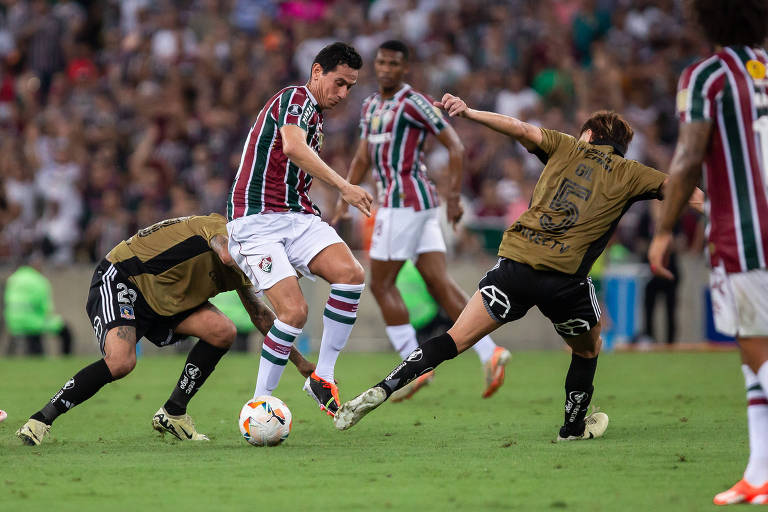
(526, 134)
(296, 149)
(680, 190)
(263, 318)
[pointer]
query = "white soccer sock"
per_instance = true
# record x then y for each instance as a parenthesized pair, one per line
(757, 419)
(274, 355)
(484, 349)
(338, 319)
(403, 338)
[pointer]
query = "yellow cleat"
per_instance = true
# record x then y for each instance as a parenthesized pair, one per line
(182, 427)
(33, 432)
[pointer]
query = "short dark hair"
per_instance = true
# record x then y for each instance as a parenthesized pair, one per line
(395, 46)
(608, 126)
(336, 54)
(732, 22)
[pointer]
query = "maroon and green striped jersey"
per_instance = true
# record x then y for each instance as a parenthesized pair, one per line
(730, 90)
(267, 181)
(395, 129)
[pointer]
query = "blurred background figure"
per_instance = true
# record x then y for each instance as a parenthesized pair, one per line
(29, 312)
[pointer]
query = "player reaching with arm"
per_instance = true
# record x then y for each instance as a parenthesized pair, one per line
(722, 103)
(157, 285)
(394, 125)
(544, 257)
(275, 229)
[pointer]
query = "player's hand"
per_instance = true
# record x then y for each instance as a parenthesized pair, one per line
(341, 212)
(658, 254)
(455, 106)
(357, 197)
(453, 209)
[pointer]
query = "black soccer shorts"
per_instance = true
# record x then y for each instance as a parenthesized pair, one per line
(511, 288)
(113, 301)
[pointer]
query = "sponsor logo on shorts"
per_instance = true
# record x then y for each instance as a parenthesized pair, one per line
(97, 327)
(495, 296)
(192, 370)
(70, 384)
(572, 327)
(266, 264)
(294, 110)
(127, 312)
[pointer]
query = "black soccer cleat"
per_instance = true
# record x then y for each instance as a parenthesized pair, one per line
(325, 393)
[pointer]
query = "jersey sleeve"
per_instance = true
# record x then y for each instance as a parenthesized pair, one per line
(420, 112)
(645, 182)
(552, 140)
(210, 225)
(295, 107)
(697, 90)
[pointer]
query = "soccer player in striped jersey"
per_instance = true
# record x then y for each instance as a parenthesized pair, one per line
(156, 285)
(275, 229)
(394, 124)
(723, 109)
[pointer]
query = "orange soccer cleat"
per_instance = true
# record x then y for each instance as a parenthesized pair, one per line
(494, 371)
(743, 492)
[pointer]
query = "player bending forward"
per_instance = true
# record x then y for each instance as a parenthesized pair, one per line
(544, 257)
(395, 123)
(156, 285)
(722, 103)
(275, 228)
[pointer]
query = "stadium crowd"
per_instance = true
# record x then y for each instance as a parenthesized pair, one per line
(116, 114)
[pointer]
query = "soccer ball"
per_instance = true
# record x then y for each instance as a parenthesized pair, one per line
(265, 421)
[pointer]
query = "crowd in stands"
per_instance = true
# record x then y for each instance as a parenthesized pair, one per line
(116, 114)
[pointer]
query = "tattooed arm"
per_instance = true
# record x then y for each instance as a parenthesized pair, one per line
(263, 317)
(219, 245)
(680, 189)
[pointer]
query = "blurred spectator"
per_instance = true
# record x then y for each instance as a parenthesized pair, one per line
(116, 114)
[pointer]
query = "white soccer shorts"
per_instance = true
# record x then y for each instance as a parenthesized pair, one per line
(740, 302)
(269, 247)
(401, 234)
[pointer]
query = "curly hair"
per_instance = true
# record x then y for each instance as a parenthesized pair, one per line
(732, 22)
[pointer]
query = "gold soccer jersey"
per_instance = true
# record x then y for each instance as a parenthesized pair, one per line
(173, 266)
(582, 193)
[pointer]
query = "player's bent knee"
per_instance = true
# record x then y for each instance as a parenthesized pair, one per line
(121, 366)
(295, 316)
(224, 335)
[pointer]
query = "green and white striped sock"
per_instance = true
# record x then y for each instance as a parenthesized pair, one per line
(274, 356)
(338, 319)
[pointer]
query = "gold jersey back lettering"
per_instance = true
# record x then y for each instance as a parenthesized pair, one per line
(581, 194)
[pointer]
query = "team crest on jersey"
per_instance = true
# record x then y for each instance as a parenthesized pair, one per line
(294, 110)
(127, 312)
(756, 69)
(266, 264)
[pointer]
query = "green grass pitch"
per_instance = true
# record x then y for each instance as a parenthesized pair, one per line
(677, 436)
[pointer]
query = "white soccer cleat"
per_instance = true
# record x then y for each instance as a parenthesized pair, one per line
(182, 427)
(353, 411)
(33, 432)
(3, 415)
(594, 426)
